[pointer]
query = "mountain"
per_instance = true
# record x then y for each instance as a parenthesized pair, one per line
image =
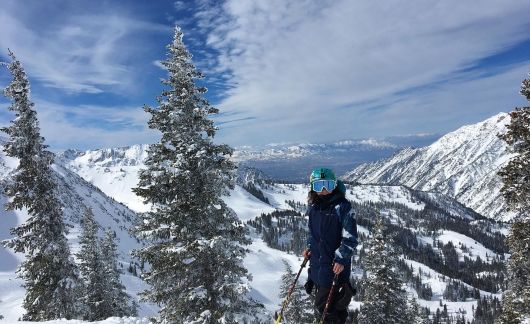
(462, 164)
(285, 161)
(292, 161)
(75, 193)
(113, 170)
(432, 229)
(449, 254)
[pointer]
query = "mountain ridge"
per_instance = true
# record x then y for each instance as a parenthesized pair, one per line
(462, 164)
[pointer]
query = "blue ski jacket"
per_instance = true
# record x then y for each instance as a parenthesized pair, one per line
(332, 237)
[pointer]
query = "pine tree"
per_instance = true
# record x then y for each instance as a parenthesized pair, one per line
(415, 314)
(116, 298)
(516, 174)
(49, 273)
(385, 299)
(299, 309)
(92, 271)
(194, 244)
(516, 192)
(516, 300)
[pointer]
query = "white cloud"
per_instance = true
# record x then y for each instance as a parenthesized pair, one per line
(90, 126)
(296, 63)
(437, 109)
(80, 52)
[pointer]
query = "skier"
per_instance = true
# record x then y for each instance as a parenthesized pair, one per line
(331, 243)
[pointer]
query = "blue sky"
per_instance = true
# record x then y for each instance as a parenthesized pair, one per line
(279, 70)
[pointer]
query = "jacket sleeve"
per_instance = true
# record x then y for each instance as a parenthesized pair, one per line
(349, 236)
(309, 235)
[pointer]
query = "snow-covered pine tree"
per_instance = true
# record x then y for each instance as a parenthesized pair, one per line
(194, 243)
(385, 300)
(516, 174)
(115, 297)
(92, 269)
(300, 309)
(516, 300)
(49, 273)
(416, 315)
(516, 191)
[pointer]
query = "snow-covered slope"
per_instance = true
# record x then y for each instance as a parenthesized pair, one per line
(462, 164)
(395, 202)
(75, 193)
(114, 171)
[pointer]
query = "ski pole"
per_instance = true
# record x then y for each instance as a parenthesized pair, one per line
(286, 300)
(330, 296)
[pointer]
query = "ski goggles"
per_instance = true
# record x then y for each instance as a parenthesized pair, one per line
(319, 185)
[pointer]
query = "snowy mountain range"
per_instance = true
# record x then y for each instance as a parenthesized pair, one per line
(115, 171)
(265, 262)
(281, 161)
(434, 222)
(462, 164)
(291, 161)
(76, 193)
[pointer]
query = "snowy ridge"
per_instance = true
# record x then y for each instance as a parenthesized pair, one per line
(462, 164)
(263, 262)
(283, 197)
(108, 157)
(136, 154)
(76, 193)
(114, 171)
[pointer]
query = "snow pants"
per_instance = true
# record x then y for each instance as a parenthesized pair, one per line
(338, 310)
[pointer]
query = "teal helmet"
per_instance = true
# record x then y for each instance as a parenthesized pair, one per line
(322, 174)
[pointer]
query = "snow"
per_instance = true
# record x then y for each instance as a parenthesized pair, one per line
(266, 265)
(110, 320)
(245, 205)
(476, 249)
(279, 194)
(75, 194)
(438, 283)
(116, 182)
(462, 164)
(397, 194)
(363, 230)
(115, 178)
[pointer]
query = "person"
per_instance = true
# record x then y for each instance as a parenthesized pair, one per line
(331, 243)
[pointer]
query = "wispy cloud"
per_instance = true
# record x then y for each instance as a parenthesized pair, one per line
(279, 70)
(77, 52)
(90, 126)
(296, 63)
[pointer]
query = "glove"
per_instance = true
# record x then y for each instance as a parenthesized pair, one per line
(309, 286)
